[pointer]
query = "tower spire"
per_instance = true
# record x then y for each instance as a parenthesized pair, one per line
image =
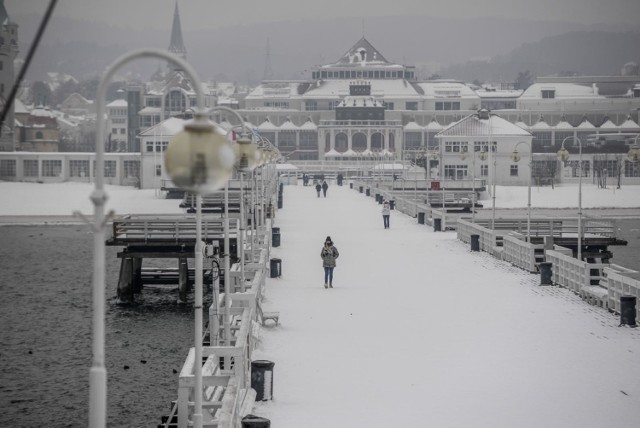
(268, 71)
(176, 45)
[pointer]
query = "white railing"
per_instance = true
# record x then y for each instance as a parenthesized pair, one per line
(488, 239)
(569, 272)
(521, 253)
(619, 282)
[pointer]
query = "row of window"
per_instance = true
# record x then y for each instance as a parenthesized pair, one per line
(118, 111)
(77, 168)
(363, 74)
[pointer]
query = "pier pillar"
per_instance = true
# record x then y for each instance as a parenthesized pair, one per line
(183, 280)
(137, 275)
(125, 281)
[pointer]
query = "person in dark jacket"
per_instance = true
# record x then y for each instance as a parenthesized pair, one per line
(325, 186)
(329, 254)
(318, 188)
(386, 213)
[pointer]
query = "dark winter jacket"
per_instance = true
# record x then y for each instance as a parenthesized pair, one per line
(329, 256)
(325, 186)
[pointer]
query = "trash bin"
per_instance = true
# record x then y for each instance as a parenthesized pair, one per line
(392, 204)
(275, 236)
(262, 379)
(435, 185)
(360, 188)
(545, 273)
(420, 218)
(350, 185)
(437, 224)
(368, 192)
(279, 202)
(251, 421)
(475, 242)
(275, 268)
(628, 310)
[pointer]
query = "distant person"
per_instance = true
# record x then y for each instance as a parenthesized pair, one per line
(386, 213)
(305, 179)
(318, 188)
(325, 186)
(329, 254)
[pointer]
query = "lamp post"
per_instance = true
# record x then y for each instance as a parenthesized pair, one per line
(563, 155)
(207, 168)
(516, 157)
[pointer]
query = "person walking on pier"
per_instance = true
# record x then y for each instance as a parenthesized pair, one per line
(325, 186)
(318, 188)
(386, 213)
(329, 254)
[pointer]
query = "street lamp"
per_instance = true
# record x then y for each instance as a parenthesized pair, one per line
(515, 156)
(563, 155)
(211, 162)
(634, 151)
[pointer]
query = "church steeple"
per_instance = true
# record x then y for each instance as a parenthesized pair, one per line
(176, 45)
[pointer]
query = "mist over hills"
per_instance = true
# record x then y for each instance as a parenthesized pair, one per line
(468, 49)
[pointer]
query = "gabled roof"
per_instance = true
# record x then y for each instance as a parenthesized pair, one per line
(308, 126)
(434, 125)
(609, 125)
(288, 126)
(413, 126)
(267, 126)
(563, 124)
(473, 126)
(585, 124)
(629, 124)
(540, 125)
(362, 53)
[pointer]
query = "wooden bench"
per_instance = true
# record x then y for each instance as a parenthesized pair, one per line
(264, 316)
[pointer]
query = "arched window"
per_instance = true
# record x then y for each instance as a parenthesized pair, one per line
(377, 142)
(342, 142)
(359, 142)
(38, 135)
(176, 101)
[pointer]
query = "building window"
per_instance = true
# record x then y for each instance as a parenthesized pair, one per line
(287, 140)
(447, 105)
(131, 169)
(149, 146)
(412, 140)
(38, 135)
(412, 105)
(176, 101)
(51, 168)
(455, 146)
(548, 93)
(7, 168)
(30, 168)
(158, 170)
(308, 140)
(388, 106)
(333, 104)
(455, 172)
(78, 168)
(631, 169)
(311, 105)
(514, 170)
(636, 92)
(484, 170)
(109, 168)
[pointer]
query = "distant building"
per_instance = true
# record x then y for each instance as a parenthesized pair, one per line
(77, 105)
(8, 53)
(40, 132)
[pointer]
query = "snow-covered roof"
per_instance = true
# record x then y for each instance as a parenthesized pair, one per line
(286, 167)
(117, 103)
(267, 126)
(380, 88)
(562, 90)
(446, 90)
(629, 124)
(585, 124)
(19, 107)
(434, 125)
(540, 125)
(609, 125)
(332, 153)
(522, 124)
(563, 125)
(498, 93)
(42, 112)
(413, 126)
(362, 53)
(472, 125)
(279, 90)
(288, 126)
(308, 126)
(150, 110)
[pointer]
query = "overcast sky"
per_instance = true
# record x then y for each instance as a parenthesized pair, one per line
(197, 14)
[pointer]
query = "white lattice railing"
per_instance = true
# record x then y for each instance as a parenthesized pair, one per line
(619, 282)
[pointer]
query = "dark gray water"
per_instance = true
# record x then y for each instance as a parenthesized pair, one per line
(45, 335)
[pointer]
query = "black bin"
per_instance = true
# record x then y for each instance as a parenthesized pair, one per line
(262, 379)
(368, 192)
(275, 236)
(392, 204)
(350, 185)
(275, 268)
(360, 189)
(546, 277)
(437, 224)
(251, 421)
(475, 242)
(420, 218)
(628, 310)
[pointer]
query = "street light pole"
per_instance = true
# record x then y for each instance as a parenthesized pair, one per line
(516, 157)
(98, 373)
(563, 154)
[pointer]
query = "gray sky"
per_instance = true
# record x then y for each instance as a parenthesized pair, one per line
(197, 14)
